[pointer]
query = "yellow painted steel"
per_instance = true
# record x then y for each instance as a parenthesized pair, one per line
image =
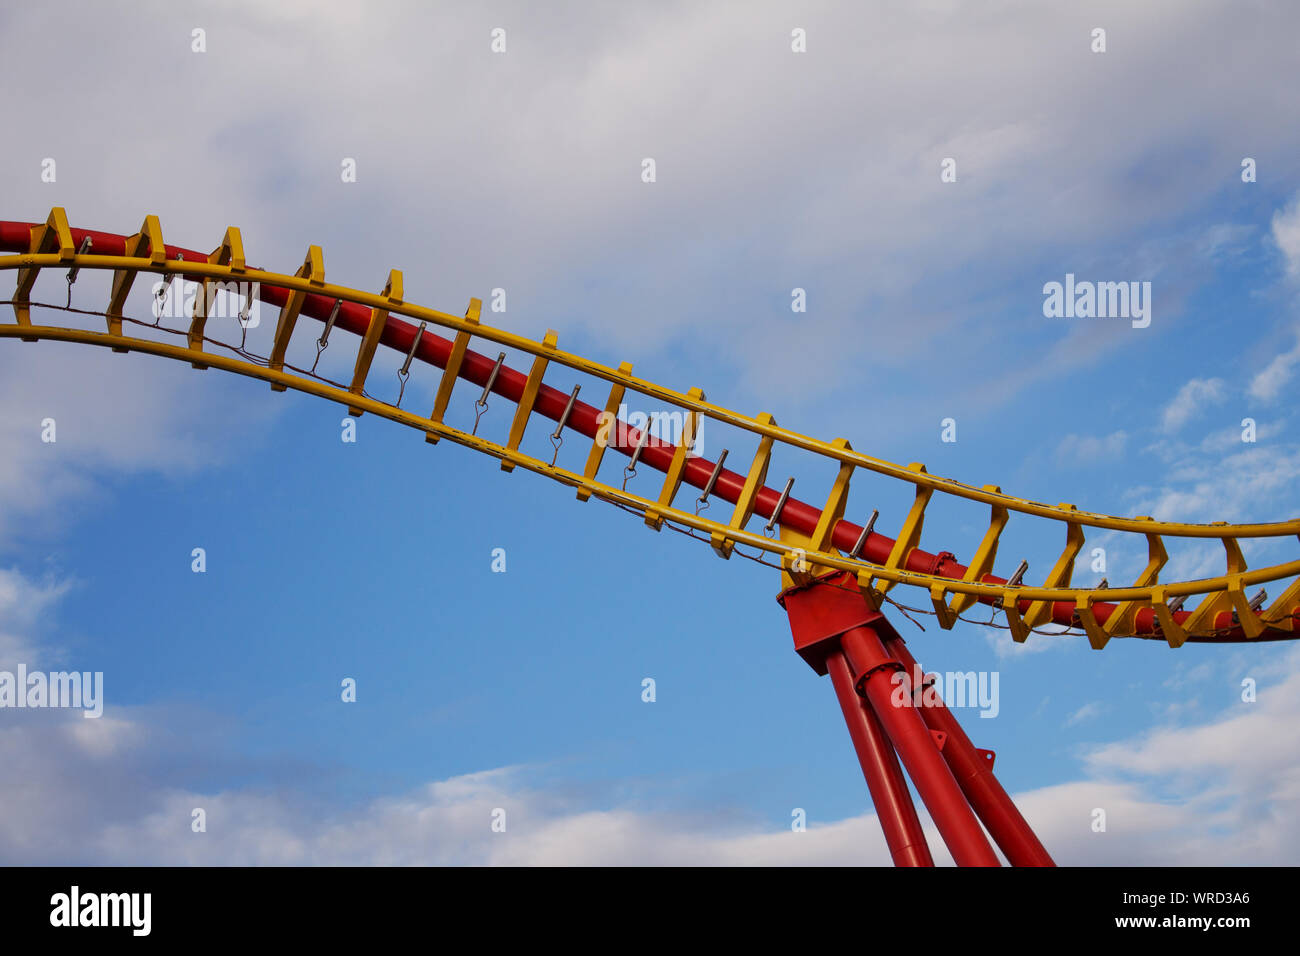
(985, 554)
(677, 468)
(909, 538)
(149, 237)
(618, 496)
(795, 569)
(312, 271)
(1171, 629)
(1121, 619)
(1224, 599)
(449, 374)
(230, 253)
(606, 424)
(836, 501)
(708, 410)
(723, 543)
(370, 341)
(1011, 611)
(1041, 611)
(1097, 635)
(1281, 613)
(53, 237)
(943, 611)
(526, 401)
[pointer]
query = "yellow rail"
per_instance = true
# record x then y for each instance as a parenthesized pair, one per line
(1225, 604)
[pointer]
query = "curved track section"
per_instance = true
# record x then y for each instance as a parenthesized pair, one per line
(813, 539)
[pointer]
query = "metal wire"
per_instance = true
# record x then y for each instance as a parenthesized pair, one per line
(629, 472)
(239, 350)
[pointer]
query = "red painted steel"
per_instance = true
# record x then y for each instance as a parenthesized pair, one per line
(875, 724)
(551, 403)
(974, 774)
(884, 776)
(952, 815)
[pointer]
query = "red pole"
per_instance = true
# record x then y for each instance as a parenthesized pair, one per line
(974, 775)
(903, 833)
(911, 738)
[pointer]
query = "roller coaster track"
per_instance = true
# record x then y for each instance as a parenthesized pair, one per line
(837, 575)
(812, 540)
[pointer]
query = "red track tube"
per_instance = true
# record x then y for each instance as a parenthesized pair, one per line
(911, 738)
(885, 780)
(995, 808)
(584, 418)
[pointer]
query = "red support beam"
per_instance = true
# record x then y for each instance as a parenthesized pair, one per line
(973, 771)
(874, 670)
(832, 624)
(885, 780)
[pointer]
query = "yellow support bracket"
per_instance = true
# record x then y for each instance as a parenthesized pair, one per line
(370, 341)
(313, 270)
(909, 537)
(53, 236)
(677, 468)
(833, 512)
(149, 237)
(526, 401)
(450, 373)
(229, 253)
(1097, 635)
(1281, 613)
(603, 427)
(1041, 611)
(866, 580)
(939, 598)
(722, 545)
(985, 554)
(1251, 623)
(1173, 632)
(1230, 598)
(796, 569)
(1011, 611)
(1120, 622)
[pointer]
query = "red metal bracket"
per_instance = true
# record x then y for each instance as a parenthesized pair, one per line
(825, 608)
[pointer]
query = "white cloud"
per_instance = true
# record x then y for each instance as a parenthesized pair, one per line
(545, 197)
(1286, 234)
(1214, 794)
(1088, 711)
(1267, 384)
(1004, 646)
(23, 602)
(100, 792)
(112, 414)
(1250, 484)
(1191, 399)
(581, 113)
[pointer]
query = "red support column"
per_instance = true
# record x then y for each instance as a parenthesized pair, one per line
(974, 773)
(894, 808)
(874, 669)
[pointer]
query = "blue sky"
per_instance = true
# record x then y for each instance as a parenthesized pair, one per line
(521, 170)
